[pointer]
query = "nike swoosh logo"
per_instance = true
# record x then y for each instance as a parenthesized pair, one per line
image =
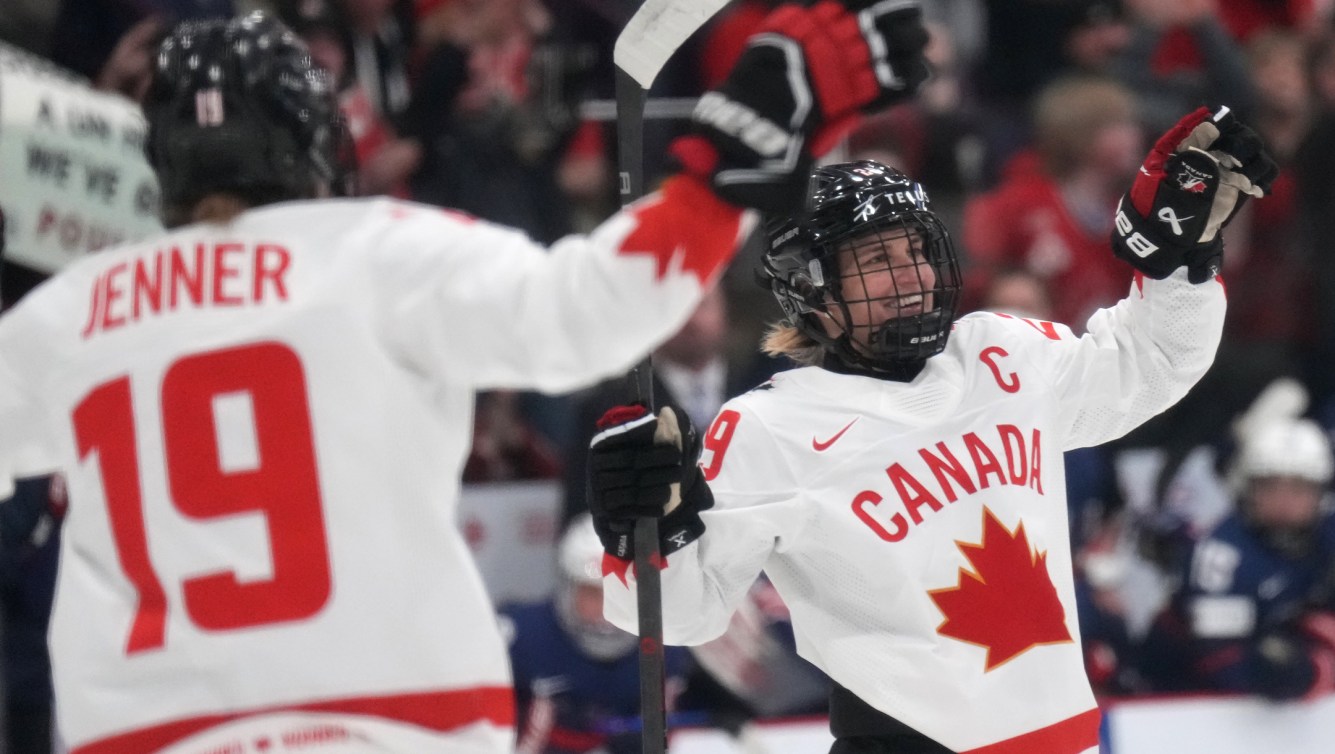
(819, 446)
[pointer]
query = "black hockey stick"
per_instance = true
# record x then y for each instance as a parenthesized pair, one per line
(656, 30)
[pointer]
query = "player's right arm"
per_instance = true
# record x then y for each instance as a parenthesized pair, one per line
(486, 306)
(738, 505)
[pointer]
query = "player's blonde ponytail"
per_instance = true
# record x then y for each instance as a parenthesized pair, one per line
(782, 339)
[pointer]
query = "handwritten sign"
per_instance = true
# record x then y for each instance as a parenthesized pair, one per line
(73, 176)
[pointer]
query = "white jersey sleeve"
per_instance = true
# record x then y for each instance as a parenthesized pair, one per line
(1136, 359)
(495, 310)
(757, 512)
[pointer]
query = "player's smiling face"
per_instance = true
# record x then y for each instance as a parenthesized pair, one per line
(884, 276)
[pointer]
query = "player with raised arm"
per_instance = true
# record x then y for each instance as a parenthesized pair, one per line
(262, 414)
(904, 490)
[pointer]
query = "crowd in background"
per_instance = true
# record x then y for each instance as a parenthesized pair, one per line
(1030, 130)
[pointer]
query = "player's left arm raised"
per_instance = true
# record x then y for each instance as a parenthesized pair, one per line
(1142, 355)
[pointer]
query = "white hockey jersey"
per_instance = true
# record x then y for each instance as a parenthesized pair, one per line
(918, 531)
(262, 425)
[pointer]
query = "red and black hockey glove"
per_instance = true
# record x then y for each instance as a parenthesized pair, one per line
(1194, 181)
(798, 87)
(641, 466)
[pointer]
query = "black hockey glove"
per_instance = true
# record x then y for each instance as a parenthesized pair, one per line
(798, 87)
(1195, 179)
(640, 466)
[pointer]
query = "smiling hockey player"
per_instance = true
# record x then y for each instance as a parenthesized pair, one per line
(904, 491)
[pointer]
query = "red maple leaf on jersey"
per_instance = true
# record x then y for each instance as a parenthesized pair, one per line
(685, 227)
(1007, 604)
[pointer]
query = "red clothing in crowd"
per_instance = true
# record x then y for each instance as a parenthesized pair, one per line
(1024, 223)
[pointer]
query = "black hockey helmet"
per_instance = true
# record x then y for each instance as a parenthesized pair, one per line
(863, 202)
(238, 107)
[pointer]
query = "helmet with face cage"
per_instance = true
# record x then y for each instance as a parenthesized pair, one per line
(1289, 448)
(579, 561)
(857, 204)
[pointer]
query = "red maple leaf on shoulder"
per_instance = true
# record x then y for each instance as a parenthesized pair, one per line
(1008, 603)
(685, 228)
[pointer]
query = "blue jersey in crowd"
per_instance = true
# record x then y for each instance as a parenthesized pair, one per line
(570, 703)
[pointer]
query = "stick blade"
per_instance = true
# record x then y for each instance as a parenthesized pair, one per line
(656, 30)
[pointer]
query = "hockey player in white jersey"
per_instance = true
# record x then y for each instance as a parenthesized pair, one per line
(904, 491)
(262, 414)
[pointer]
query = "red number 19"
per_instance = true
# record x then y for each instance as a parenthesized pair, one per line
(283, 486)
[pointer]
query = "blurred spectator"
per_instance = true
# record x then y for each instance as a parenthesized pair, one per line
(1243, 18)
(691, 372)
(576, 676)
(1181, 56)
(1096, 37)
(1020, 292)
(495, 142)
(505, 448)
(1266, 260)
(1314, 173)
(1278, 66)
(1027, 46)
(129, 68)
(381, 43)
(87, 32)
(1111, 655)
(1255, 612)
(1031, 43)
(385, 161)
(1053, 213)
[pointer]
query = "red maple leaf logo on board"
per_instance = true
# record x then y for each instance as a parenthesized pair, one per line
(1007, 604)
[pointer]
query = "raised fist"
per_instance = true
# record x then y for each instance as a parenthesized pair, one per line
(1194, 181)
(804, 78)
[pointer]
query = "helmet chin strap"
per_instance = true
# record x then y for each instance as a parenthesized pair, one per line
(851, 358)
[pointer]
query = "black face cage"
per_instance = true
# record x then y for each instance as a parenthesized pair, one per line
(804, 275)
(911, 329)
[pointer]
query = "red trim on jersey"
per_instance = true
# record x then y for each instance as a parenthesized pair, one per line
(441, 711)
(576, 740)
(1070, 736)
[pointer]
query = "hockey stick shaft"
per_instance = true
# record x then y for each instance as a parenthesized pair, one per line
(656, 30)
(649, 594)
